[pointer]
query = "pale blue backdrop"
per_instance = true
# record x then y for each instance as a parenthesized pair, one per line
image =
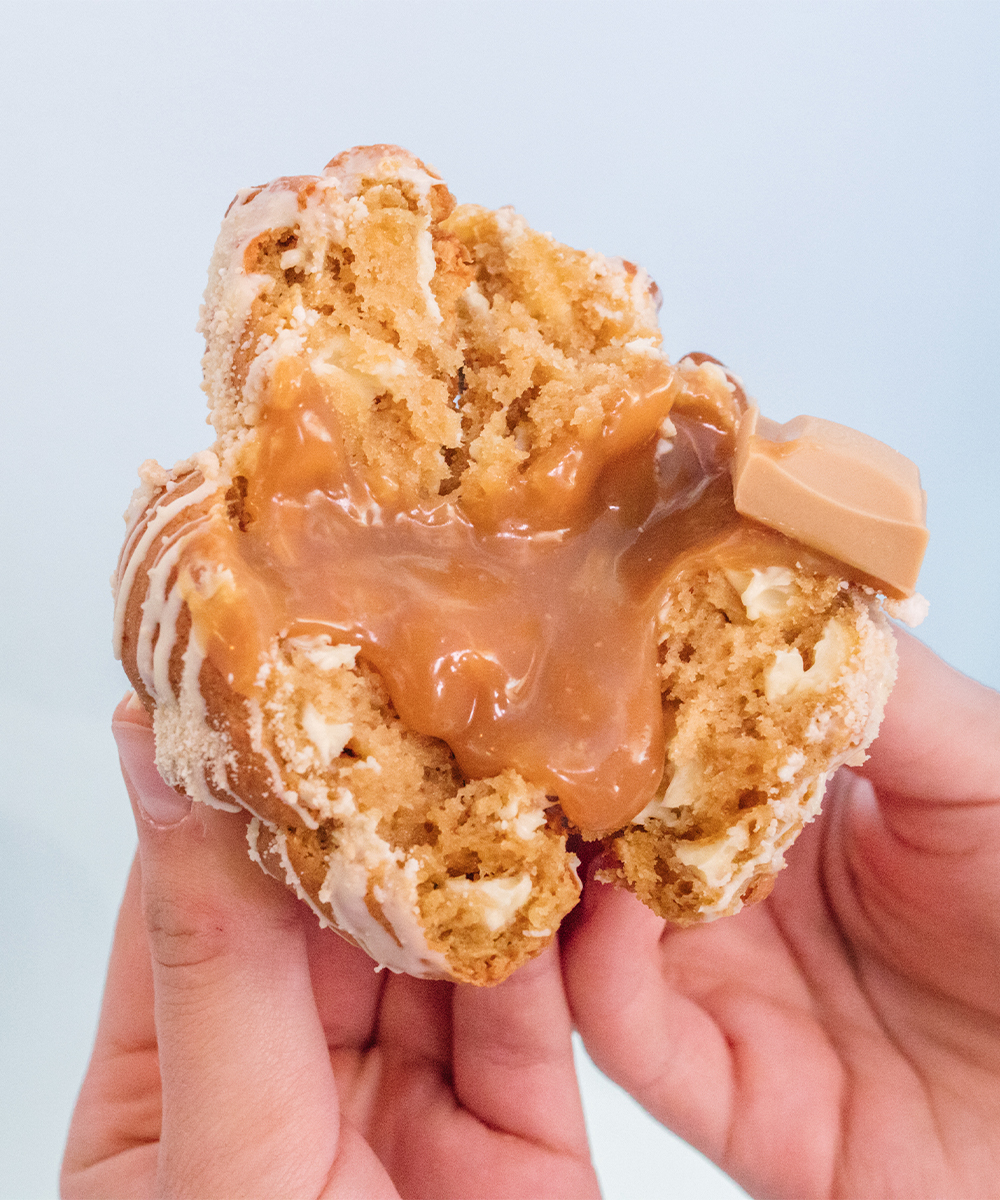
(814, 186)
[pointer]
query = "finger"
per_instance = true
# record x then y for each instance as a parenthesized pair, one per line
(916, 885)
(914, 868)
(117, 1114)
(347, 987)
(940, 740)
(931, 827)
(348, 993)
(513, 1057)
(126, 1025)
(499, 1114)
(249, 1101)
(395, 1083)
(415, 1020)
(626, 975)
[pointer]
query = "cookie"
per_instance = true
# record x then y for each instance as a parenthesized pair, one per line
(463, 578)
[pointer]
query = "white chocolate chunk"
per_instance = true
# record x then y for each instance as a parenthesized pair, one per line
(682, 791)
(526, 823)
(783, 676)
(321, 654)
(829, 658)
(786, 676)
(714, 859)
(836, 490)
(767, 593)
(498, 900)
(329, 737)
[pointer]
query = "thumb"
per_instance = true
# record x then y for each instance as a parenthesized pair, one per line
(157, 801)
(935, 765)
(918, 862)
(940, 740)
(249, 1101)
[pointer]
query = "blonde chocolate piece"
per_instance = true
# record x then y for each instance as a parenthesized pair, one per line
(462, 576)
(836, 490)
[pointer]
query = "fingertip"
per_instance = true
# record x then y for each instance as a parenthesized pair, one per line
(513, 1055)
(613, 946)
(153, 798)
(130, 710)
(940, 739)
(608, 907)
(535, 972)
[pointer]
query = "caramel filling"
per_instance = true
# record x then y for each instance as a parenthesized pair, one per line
(525, 641)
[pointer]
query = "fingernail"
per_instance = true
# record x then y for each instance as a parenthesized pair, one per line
(157, 800)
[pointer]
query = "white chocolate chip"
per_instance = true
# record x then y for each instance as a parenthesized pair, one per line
(786, 676)
(321, 654)
(766, 593)
(682, 792)
(329, 737)
(793, 764)
(497, 899)
(714, 859)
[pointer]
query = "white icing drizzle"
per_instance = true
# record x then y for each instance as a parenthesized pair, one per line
(291, 878)
(159, 612)
(361, 856)
(192, 702)
(405, 950)
(390, 162)
(185, 757)
(230, 292)
(253, 832)
(255, 727)
(188, 751)
(161, 516)
(426, 268)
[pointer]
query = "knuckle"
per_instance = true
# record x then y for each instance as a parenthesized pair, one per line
(185, 937)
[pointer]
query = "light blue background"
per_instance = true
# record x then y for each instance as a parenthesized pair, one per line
(814, 186)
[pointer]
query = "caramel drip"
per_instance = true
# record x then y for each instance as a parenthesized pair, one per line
(531, 648)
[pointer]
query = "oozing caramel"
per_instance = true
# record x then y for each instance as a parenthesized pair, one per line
(527, 641)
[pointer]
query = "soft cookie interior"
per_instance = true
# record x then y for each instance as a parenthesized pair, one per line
(772, 678)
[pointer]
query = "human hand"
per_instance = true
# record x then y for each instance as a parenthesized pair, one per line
(243, 1051)
(842, 1038)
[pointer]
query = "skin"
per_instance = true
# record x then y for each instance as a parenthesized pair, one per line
(842, 1038)
(244, 1052)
